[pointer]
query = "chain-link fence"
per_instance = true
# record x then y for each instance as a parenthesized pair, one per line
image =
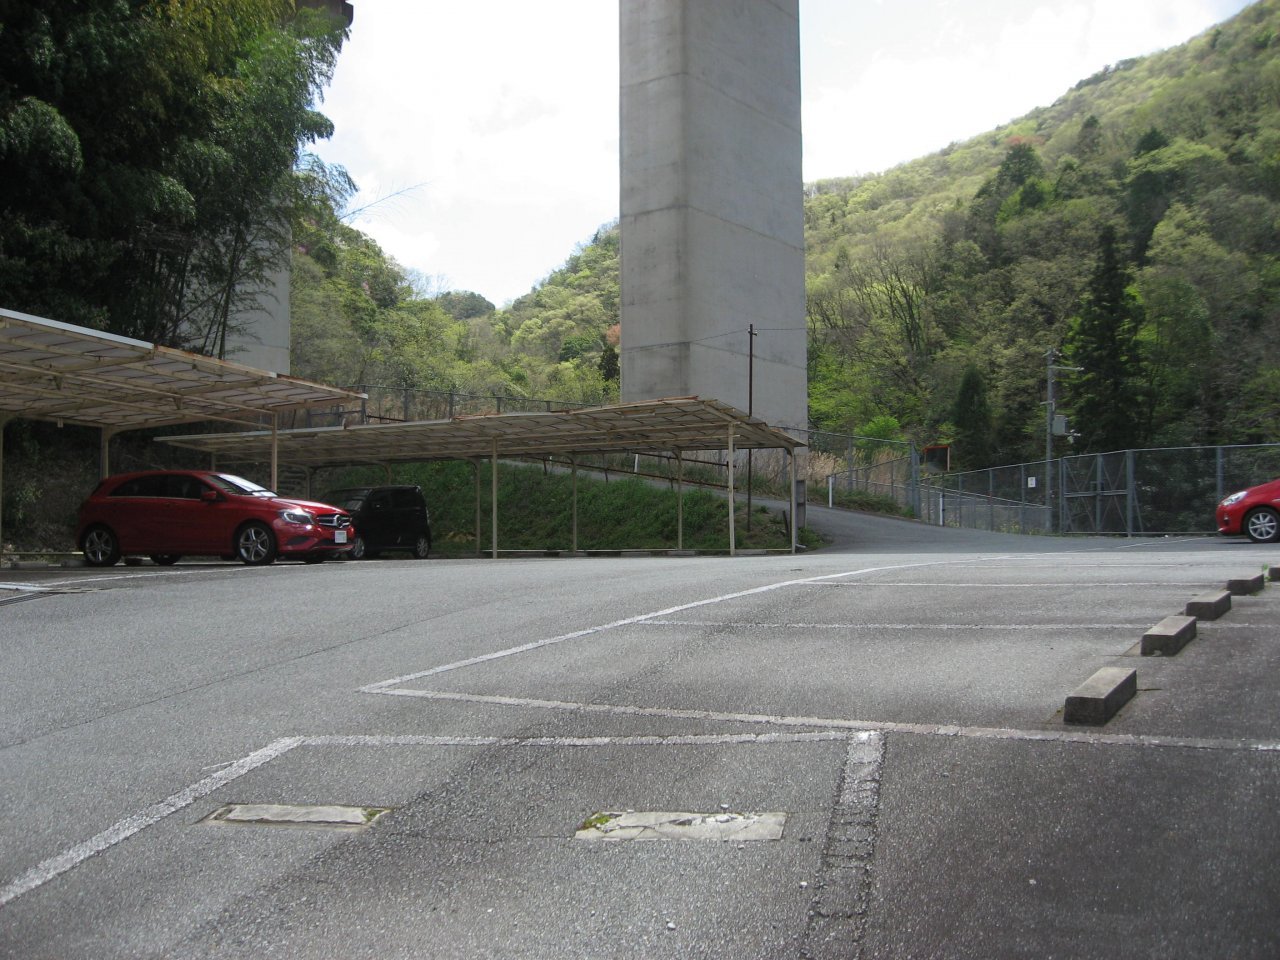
(1132, 492)
(385, 404)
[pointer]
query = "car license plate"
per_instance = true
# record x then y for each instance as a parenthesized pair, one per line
(339, 536)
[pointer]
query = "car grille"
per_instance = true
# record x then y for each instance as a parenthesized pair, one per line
(338, 520)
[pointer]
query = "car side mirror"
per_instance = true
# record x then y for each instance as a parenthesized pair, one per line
(210, 496)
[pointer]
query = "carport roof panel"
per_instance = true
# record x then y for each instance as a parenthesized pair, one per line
(56, 371)
(684, 423)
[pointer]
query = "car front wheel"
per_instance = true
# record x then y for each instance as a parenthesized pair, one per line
(100, 546)
(1263, 525)
(255, 544)
(423, 547)
(356, 551)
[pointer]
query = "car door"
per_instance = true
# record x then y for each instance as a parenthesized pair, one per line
(187, 517)
(377, 521)
(130, 511)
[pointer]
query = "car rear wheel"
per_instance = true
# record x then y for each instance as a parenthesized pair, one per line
(356, 551)
(423, 547)
(255, 544)
(1263, 525)
(100, 546)
(165, 559)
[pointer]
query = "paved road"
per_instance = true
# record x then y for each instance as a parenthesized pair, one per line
(895, 696)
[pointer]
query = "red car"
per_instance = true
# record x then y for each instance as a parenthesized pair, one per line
(1254, 512)
(169, 514)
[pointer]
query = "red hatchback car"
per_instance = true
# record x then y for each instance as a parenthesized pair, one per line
(169, 514)
(1254, 512)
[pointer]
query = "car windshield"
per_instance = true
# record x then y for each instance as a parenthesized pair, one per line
(346, 499)
(229, 483)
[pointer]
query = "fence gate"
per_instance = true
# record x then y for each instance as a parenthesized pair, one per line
(1098, 494)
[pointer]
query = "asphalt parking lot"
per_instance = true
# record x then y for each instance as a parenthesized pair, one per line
(894, 701)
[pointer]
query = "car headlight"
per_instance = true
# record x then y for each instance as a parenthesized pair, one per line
(297, 516)
(1234, 498)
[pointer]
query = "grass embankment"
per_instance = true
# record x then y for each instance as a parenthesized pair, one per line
(535, 511)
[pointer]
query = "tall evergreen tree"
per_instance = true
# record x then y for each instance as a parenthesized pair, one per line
(1102, 341)
(971, 417)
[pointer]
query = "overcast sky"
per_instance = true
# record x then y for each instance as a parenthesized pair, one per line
(498, 119)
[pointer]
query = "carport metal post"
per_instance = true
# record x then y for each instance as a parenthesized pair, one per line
(3, 422)
(104, 452)
(475, 465)
(275, 448)
(791, 482)
(573, 461)
(493, 498)
(733, 549)
(679, 500)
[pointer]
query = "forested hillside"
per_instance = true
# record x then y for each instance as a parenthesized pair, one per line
(1132, 225)
(359, 319)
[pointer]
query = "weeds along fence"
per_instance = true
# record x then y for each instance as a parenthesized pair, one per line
(1147, 492)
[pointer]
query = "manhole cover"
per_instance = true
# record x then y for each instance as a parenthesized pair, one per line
(660, 825)
(296, 815)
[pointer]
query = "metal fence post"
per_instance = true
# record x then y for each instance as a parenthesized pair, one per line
(1098, 486)
(913, 492)
(1130, 493)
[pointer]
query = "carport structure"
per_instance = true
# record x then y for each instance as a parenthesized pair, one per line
(672, 427)
(67, 374)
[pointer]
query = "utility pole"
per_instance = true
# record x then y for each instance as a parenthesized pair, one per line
(751, 381)
(1051, 407)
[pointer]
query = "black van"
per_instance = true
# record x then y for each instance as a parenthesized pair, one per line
(385, 518)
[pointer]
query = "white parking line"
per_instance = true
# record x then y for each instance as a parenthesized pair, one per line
(840, 723)
(44, 872)
(382, 686)
(900, 626)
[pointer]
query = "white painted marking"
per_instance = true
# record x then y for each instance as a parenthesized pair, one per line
(837, 723)
(383, 685)
(1139, 625)
(693, 740)
(44, 872)
(1059, 584)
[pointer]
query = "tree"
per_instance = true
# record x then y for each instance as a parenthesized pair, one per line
(146, 156)
(1102, 341)
(971, 418)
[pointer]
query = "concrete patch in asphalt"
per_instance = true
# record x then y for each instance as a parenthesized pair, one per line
(296, 815)
(658, 825)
